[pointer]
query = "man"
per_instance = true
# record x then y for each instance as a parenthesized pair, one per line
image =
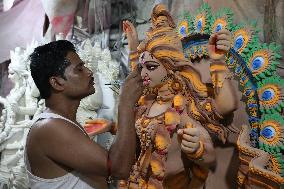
(59, 153)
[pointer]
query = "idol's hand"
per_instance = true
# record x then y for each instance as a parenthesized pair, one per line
(219, 44)
(190, 138)
(131, 34)
(15, 107)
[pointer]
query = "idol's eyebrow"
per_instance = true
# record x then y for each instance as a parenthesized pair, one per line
(152, 63)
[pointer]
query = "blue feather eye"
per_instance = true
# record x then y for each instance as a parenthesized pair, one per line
(238, 69)
(239, 42)
(248, 92)
(182, 31)
(241, 39)
(257, 63)
(183, 28)
(199, 25)
(231, 62)
(268, 132)
(268, 94)
(219, 27)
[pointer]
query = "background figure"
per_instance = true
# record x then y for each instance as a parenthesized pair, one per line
(19, 107)
(60, 15)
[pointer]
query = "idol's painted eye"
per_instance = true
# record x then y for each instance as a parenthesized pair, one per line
(151, 67)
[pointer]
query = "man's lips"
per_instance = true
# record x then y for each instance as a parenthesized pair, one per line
(92, 81)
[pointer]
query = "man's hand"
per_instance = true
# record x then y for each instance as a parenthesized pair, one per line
(132, 88)
(219, 44)
(131, 34)
(189, 138)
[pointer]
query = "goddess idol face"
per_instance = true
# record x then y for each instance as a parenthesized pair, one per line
(13, 75)
(153, 72)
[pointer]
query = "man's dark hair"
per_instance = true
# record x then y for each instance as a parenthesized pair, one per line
(49, 60)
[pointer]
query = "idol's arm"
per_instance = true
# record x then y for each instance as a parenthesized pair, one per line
(224, 93)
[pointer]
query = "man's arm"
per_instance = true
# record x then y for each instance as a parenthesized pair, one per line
(122, 152)
(65, 144)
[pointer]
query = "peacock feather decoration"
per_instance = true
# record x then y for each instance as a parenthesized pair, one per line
(254, 63)
(185, 25)
(197, 25)
(202, 20)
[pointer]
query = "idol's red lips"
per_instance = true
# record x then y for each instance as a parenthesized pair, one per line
(146, 80)
(146, 77)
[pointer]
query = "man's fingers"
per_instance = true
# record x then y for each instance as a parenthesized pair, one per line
(137, 69)
(123, 27)
(133, 74)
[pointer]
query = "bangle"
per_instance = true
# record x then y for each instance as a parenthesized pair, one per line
(218, 71)
(198, 154)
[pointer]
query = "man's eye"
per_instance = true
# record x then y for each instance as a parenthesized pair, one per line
(151, 67)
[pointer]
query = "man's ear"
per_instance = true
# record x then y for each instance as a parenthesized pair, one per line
(57, 83)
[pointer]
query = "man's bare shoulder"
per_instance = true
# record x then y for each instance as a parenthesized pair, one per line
(48, 132)
(54, 125)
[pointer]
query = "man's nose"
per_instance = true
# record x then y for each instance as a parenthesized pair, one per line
(89, 72)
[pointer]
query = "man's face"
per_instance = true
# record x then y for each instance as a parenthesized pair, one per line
(79, 79)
